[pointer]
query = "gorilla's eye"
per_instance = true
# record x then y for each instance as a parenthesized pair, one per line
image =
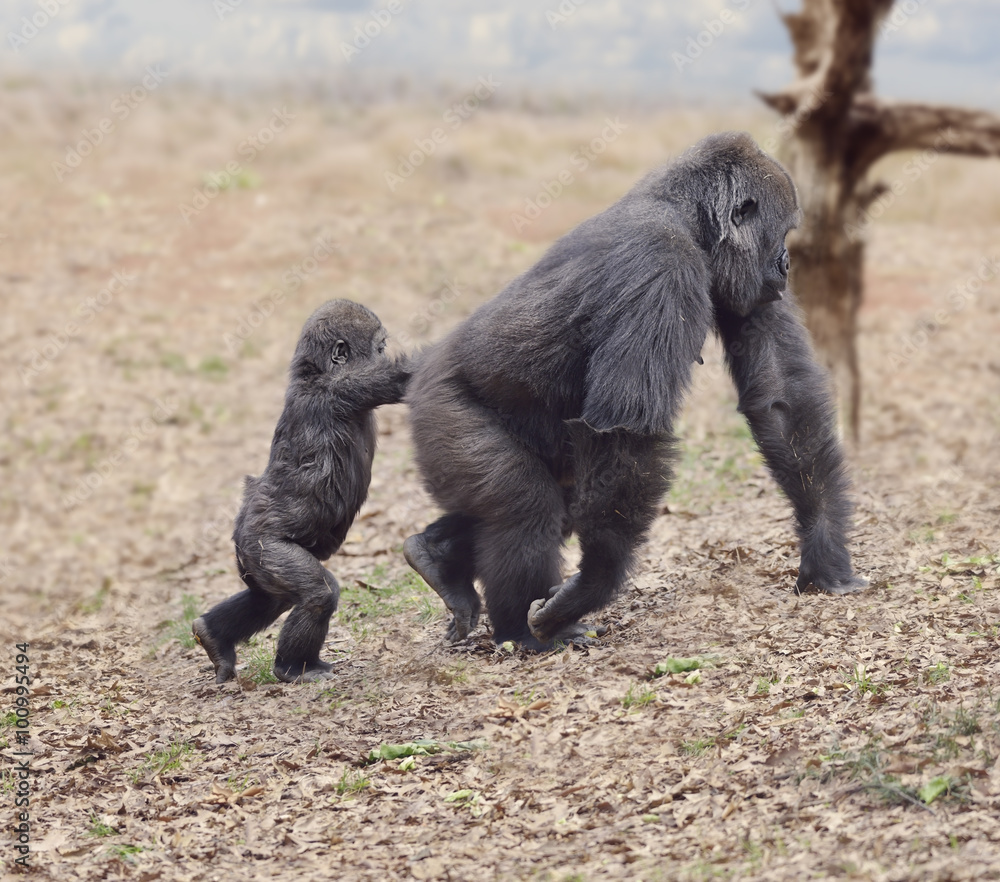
(340, 352)
(380, 349)
(746, 210)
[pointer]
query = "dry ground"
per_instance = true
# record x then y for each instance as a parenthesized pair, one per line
(823, 738)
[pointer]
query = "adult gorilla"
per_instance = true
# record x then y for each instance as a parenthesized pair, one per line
(550, 410)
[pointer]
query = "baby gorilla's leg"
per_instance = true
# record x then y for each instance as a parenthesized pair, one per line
(234, 620)
(289, 572)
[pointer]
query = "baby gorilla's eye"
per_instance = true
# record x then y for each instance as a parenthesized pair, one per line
(380, 349)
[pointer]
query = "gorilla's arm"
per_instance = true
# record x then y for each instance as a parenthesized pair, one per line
(652, 331)
(785, 396)
(622, 444)
(369, 384)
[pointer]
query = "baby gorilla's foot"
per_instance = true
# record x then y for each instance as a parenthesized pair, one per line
(223, 655)
(303, 671)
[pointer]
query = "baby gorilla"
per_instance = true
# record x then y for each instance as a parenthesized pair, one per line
(298, 512)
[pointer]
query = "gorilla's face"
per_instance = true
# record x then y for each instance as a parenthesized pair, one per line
(775, 277)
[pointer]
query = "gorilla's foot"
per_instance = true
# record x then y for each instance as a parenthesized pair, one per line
(223, 656)
(461, 598)
(548, 636)
(303, 671)
(831, 586)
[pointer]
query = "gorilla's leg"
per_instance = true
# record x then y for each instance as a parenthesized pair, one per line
(787, 401)
(621, 479)
(444, 556)
(294, 578)
(518, 555)
(502, 500)
(234, 620)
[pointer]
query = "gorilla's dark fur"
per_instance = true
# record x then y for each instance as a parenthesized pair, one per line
(298, 512)
(551, 408)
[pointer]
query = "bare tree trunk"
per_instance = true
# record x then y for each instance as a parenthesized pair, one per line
(840, 129)
(827, 265)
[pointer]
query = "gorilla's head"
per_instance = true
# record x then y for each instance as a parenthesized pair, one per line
(335, 336)
(745, 204)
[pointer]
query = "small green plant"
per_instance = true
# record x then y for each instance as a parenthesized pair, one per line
(213, 367)
(954, 732)
(679, 666)
(375, 597)
(753, 850)
(939, 673)
(238, 783)
(351, 783)
(965, 722)
(100, 828)
(429, 611)
(334, 695)
(638, 695)
(525, 697)
(244, 179)
(868, 767)
(170, 759)
(249, 349)
(696, 746)
(934, 788)
(862, 681)
(259, 658)
(423, 747)
(705, 870)
(969, 595)
(763, 686)
(87, 446)
(926, 535)
(739, 729)
(467, 799)
(456, 673)
(96, 602)
(125, 852)
(143, 491)
(174, 362)
(180, 629)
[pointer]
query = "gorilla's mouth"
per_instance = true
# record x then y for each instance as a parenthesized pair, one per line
(770, 293)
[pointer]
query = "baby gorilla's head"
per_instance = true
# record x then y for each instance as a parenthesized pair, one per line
(337, 335)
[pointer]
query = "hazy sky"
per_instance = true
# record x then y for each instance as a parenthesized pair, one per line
(941, 50)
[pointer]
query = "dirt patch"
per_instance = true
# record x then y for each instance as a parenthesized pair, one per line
(817, 738)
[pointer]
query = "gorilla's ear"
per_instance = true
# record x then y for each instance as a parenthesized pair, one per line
(744, 211)
(341, 351)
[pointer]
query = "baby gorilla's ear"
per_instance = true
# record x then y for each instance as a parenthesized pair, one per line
(341, 351)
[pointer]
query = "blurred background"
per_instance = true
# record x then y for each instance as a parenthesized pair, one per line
(568, 48)
(185, 183)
